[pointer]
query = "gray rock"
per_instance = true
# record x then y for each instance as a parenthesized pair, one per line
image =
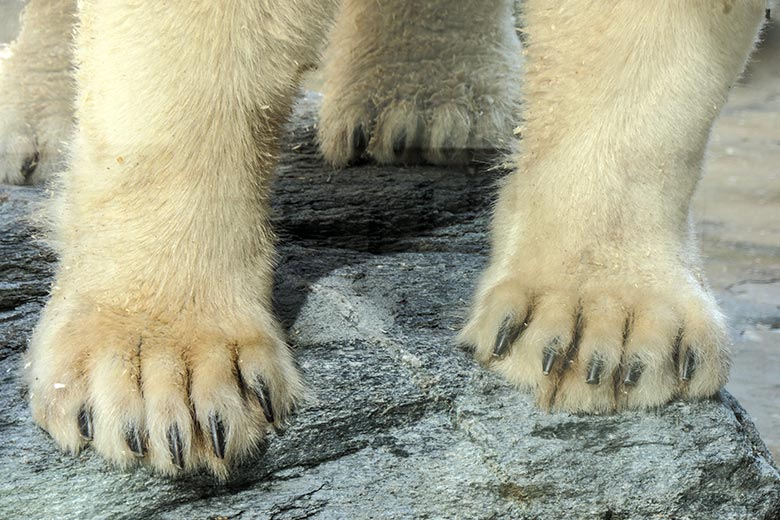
(377, 268)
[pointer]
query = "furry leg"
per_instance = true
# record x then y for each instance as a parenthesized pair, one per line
(407, 81)
(595, 298)
(36, 93)
(158, 344)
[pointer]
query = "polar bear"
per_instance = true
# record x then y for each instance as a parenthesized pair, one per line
(158, 344)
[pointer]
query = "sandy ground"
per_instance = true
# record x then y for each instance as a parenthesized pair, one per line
(9, 19)
(738, 209)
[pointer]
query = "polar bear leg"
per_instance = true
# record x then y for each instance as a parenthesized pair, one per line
(594, 297)
(408, 81)
(158, 344)
(36, 93)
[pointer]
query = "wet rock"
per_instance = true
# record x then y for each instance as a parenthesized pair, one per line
(377, 266)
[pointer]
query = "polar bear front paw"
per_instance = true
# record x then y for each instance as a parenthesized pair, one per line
(600, 344)
(171, 395)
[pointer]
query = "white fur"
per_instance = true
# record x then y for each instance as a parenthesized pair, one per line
(594, 225)
(161, 305)
(36, 94)
(434, 81)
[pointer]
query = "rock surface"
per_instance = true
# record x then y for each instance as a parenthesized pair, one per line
(377, 268)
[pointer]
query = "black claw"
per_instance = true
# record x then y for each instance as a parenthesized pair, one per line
(264, 396)
(175, 447)
(549, 358)
(134, 441)
(595, 368)
(359, 140)
(29, 165)
(217, 429)
(633, 373)
(399, 144)
(689, 366)
(85, 424)
(507, 335)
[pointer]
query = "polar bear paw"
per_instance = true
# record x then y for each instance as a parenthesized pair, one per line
(169, 395)
(31, 152)
(600, 344)
(401, 94)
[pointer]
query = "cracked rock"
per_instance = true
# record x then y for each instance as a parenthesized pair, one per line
(373, 282)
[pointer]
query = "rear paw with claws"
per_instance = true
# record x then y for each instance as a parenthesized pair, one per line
(31, 152)
(601, 347)
(410, 132)
(405, 93)
(170, 395)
